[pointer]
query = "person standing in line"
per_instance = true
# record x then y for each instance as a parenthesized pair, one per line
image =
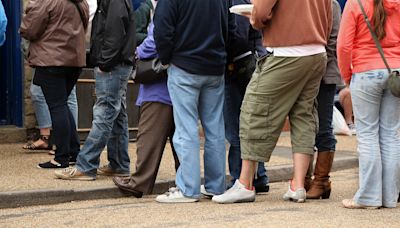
(284, 83)
(325, 140)
(156, 125)
(376, 109)
(112, 52)
(56, 32)
(142, 18)
(191, 39)
(246, 45)
(42, 113)
(3, 24)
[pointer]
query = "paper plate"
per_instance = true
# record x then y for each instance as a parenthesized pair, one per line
(242, 8)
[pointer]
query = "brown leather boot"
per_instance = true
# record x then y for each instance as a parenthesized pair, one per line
(321, 186)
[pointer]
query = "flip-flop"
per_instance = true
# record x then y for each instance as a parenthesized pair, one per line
(32, 146)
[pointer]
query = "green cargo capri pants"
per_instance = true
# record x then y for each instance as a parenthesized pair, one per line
(280, 87)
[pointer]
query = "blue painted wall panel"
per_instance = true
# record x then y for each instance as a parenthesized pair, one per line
(11, 68)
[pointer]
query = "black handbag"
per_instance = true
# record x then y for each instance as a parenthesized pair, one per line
(148, 71)
(394, 76)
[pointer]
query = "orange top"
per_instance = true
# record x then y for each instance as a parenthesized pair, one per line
(287, 23)
(356, 49)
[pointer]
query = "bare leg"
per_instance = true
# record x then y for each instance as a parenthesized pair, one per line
(247, 173)
(345, 101)
(300, 163)
(44, 131)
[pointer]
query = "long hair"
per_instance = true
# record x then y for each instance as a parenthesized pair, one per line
(379, 19)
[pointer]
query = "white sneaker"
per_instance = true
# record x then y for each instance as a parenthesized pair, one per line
(205, 193)
(298, 196)
(174, 195)
(236, 194)
(352, 128)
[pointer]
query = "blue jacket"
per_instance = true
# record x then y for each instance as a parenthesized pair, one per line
(192, 34)
(245, 38)
(3, 24)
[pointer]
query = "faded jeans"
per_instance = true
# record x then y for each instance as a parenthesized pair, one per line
(110, 124)
(377, 119)
(197, 97)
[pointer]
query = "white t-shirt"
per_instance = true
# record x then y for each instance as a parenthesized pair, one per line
(297, 51)
(92, 9)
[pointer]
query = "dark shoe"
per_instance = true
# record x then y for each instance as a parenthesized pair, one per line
(49, 165)
(261, 188)
(124, 184)
(106, 170)
(398, 200)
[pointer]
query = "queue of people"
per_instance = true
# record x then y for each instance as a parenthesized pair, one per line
(239, 77)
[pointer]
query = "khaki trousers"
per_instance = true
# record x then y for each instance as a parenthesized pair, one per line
(280, 87)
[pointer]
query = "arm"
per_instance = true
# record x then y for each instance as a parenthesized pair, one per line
(345, 42)
(147, 49)
(262, 12)
(114, 34)
(165, 19)
(35, 20)
(331, 46)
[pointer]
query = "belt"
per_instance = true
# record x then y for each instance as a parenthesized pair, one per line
(242, 56)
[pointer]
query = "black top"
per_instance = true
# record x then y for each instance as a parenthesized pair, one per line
(113, 39)
(245, 37)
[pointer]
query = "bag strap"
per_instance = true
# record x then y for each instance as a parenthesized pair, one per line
(377, 43)
(85, 25)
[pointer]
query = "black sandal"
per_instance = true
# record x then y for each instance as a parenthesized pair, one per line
(32, 146)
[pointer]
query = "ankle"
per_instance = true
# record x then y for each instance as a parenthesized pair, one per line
(247, 184)
(294, 185)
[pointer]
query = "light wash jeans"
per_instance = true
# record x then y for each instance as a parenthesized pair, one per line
(377, 119)
(42, 110)
(197, 97)
(110, 123)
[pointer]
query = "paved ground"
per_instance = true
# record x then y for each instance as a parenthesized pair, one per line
(268, 211)
(19, 170)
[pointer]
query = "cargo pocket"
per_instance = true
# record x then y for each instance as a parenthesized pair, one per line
(254, 121)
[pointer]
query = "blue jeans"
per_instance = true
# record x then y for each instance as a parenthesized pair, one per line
(110, 123)
(325, 139)
(235, 88)
(197, 97)
(377, 119)
(42, 110)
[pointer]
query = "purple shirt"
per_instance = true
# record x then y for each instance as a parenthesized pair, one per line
(154, 92)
